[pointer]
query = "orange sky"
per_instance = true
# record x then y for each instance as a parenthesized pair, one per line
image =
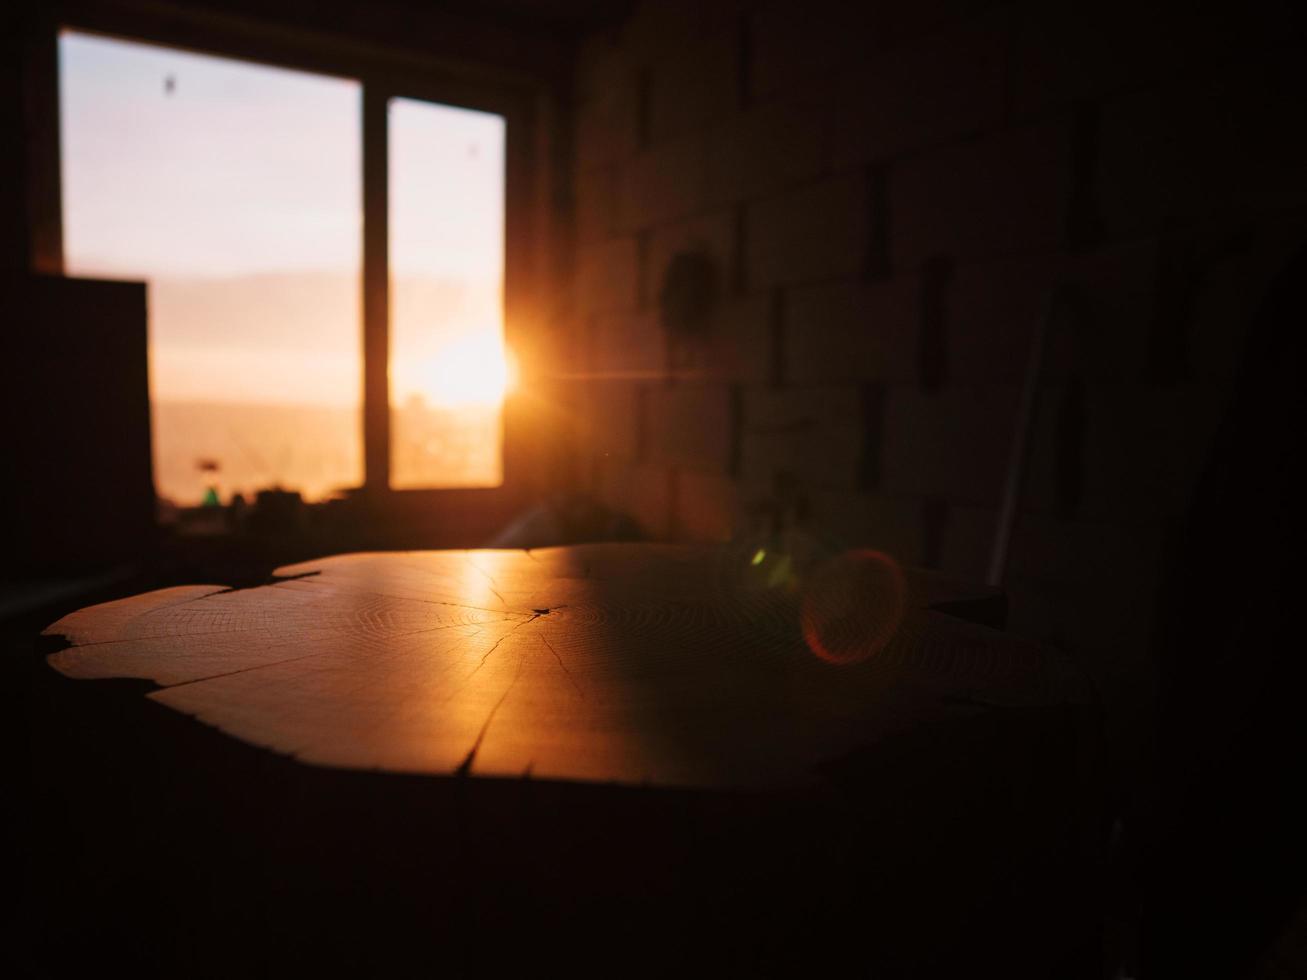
(234, 190)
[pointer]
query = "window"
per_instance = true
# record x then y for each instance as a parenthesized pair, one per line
(448, 371)
(233, 190)
(237, 191)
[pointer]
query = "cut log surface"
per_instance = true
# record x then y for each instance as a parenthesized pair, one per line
(653, 665)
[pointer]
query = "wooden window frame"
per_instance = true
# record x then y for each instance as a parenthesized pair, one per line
(383, 74)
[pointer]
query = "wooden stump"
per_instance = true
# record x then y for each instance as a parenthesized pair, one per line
(710, 750)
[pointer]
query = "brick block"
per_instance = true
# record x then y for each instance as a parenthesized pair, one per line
(601, 66)
(815, 232)
(706, 507)
(817, 436)
(793, 43)
(991, 312)
(559, 347)
(1223, 144)
(766, 149)
(1003, 194)
(736, 346)
(595, 194)
(607, 276)
(944, 86)
(661, 185)
(612, 419)
(851, 331)
(606, 125)
(858, 520)
(652, 30)
(712, 235)
(640, 491)
(690, 426)
(564, 428)
(694, 85)
(952, 444)
(900, 24)
(629, 343)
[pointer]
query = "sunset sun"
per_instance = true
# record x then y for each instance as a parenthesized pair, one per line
(474, 370)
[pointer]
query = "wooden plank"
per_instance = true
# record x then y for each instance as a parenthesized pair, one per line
(651, 665)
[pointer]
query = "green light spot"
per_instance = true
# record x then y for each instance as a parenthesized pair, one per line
(758, 556)
(780, 572)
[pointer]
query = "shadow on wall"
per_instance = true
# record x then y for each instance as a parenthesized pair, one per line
(563, 519)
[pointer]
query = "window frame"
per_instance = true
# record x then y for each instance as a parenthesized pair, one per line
(382, 74)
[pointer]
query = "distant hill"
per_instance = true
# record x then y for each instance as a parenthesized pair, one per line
(296, 309)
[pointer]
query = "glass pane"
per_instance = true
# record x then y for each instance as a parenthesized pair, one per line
(448, 371)
(234, 190)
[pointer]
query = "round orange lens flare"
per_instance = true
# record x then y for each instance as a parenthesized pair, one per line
(852, 606)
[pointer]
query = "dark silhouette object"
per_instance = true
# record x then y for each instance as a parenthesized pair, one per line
(77, 493)
(688, 293)
(277, 511)
(1223, 853)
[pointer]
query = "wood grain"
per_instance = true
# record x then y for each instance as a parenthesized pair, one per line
(654, 665)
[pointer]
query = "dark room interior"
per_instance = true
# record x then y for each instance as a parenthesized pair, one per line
(749, 487)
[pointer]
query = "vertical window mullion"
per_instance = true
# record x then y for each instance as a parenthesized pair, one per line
(376, 290)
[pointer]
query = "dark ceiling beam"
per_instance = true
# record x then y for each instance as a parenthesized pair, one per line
(410, 36)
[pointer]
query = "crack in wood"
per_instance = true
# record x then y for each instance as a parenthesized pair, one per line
(492, 649)
(489, 578)
(242, 670)
(545, 639)
(465, 768)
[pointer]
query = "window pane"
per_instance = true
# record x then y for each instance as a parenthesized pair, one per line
(234, 189)
(448, 372)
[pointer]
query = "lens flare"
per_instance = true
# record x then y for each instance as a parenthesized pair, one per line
(852, 606)
(474, 370)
